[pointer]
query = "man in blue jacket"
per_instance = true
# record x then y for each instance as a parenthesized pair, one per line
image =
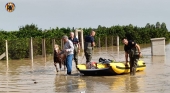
(88, 46)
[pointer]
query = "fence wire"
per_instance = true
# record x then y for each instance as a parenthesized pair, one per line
(20, 47)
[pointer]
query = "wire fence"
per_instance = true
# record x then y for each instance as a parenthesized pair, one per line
(21, 48)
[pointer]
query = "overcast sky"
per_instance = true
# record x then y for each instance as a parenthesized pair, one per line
(84, 13)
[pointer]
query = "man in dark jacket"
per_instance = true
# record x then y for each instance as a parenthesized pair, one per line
(76, 46)
(88, 46)
(130, 49)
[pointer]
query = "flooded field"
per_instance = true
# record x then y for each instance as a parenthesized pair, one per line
(39, 75)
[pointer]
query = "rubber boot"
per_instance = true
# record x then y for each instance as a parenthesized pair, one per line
(76, 63)
(133, 71)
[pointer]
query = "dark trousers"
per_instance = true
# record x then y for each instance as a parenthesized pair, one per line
(133, 61)
(75, 56)
(88, 54)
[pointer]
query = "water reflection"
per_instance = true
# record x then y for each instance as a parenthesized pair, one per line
(69, 84)
(106, 48)
(20, 75)
(81, 84)
(7, 79)
(118, 52)
(7, 66)
(124, 83)
(45, 60)
(131, 84)
(32, 65)
(117, 83)
(158, 59)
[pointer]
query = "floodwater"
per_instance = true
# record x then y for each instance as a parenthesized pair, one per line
(39, 75)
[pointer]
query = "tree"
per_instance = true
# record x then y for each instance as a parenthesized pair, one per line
(158, 25)
(147, 25)
(152, 26)
(130, 25)
(163, 26)
(28, 31)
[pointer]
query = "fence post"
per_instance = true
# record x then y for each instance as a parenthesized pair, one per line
(117, 40)
(99, 42)
(61, 44)
(81, 38)
(112, 41)
(43, 48)
(106, 41)
(31, 49)
(118, 52)
(6, 44)
(53, 43)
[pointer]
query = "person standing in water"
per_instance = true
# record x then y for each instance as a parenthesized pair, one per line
(68, 49)
(130, 49)
(76, 47)
(88, 46)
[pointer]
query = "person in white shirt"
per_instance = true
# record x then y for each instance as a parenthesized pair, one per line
(68, 49)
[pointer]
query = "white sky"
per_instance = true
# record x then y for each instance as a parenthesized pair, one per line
(83, 13)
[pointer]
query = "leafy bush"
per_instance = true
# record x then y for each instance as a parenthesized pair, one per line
(18, 41)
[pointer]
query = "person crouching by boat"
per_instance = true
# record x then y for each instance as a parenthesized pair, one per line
(68, 49)
(130, 48)
(76, 47)
(88, 46)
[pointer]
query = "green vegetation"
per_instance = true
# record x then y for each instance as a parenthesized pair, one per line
(18, 41)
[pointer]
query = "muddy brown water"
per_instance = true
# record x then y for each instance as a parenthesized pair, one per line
(39, 75)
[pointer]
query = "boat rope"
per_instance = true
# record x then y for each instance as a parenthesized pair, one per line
(113, 57)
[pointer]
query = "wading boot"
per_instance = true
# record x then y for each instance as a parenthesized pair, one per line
(133, 70)
(76, 63)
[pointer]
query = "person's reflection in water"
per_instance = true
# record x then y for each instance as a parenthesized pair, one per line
(66, 84)
(131, 84)
(90, 85)
(69, 85)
